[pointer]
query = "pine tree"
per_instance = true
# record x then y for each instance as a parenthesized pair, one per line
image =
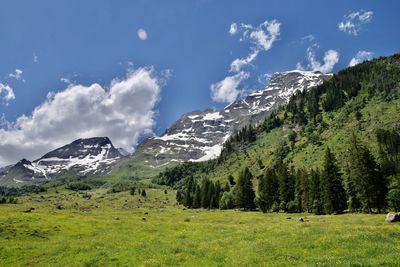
(189, 192)
(301, 191)
(262, 200)
(211, 195)
(353, 202)
(245, 192)
(217, 195)
(197, 197)
(389, 150)
(315, 202)
(365, 174)
(334, 196)
(286, 184)
(205, 193)
(268, 190)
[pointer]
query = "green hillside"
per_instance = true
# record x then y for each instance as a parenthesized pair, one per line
(360, 101)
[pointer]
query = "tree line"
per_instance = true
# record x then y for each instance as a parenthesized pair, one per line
(365, 186)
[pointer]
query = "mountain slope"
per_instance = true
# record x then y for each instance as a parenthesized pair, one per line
(361, 99)
(199, 135)
(82, 157)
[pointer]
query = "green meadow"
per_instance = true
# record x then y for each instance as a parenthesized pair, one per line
(118, 229)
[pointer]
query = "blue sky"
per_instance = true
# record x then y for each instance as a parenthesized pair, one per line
(48, 46)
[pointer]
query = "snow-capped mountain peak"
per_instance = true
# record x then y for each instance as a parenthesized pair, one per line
(91, 156)
(199, 135)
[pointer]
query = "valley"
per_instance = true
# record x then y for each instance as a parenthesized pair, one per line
(299, 173)
(118, 229)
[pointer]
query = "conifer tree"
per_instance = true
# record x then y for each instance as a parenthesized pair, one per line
(197, 197)
(245, 192)
(217, 195)
(301, 194)
(315, 202)
(366, 176)
(389, 150)
(189, 192)
(205, 193)
(334, 196)
(286, 183)
(268, 190)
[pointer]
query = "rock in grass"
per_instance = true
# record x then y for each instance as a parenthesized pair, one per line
(393, 217)
(300, 220)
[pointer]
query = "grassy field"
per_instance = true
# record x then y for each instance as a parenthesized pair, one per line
(66, 229)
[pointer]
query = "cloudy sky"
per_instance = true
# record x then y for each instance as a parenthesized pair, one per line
(128, 69)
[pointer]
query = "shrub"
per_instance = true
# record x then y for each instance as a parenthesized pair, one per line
(143, 193)
(78, 186)
(227, 201)
(291, 207)
(275, 207)
(282, 206)
(133, 191)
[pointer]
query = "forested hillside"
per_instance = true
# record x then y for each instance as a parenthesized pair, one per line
(332, 149)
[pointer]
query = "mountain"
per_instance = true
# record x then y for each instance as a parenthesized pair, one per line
(82, 157)
(196, 136)
(363, 100)
(199, 135)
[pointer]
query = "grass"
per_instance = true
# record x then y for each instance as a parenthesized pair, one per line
(124, 230)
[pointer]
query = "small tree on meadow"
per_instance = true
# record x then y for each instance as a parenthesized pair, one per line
(143, 194)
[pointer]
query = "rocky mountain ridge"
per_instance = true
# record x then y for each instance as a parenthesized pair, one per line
(199, 135)
(91, 156)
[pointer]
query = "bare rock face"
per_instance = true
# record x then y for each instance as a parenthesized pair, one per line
(393, 217)
(199, 135)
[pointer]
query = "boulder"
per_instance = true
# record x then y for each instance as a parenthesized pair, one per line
(393, 217)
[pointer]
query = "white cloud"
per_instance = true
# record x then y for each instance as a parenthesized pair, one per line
(122, 112)
(6, 93)
(308, 38)
(265, 34)
(353, 22)
(331, 57)
(262, 38)
(233, 29)
(239, 63)
(66, 80)
(17, 75)
(227, 90)
(360, 57)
